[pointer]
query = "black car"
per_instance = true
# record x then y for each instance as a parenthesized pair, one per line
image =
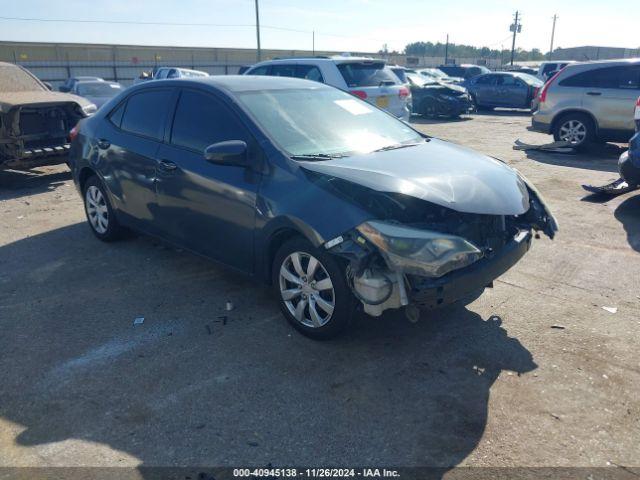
(434, 99)
(334, 202)
(466, 71)
(504, 89)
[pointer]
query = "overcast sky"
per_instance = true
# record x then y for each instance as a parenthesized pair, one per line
(341, 25)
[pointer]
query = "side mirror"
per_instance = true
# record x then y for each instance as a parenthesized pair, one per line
(48, 85)
(232, 152)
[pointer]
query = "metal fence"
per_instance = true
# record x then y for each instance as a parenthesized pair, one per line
(125, 73)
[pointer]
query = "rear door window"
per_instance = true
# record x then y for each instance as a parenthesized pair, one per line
(368, 74)
(309, 72)
(145, 113)
(622, 77)
(485, 80)
(201, 120)
(508, 81)
(262, 70)
(281, 70)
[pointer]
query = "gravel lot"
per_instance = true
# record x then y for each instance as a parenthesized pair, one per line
(493, 384)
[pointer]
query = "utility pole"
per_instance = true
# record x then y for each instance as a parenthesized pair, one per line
(313, 42)
(259, 55)
(446, 50)
(516, 28)
(553, 33)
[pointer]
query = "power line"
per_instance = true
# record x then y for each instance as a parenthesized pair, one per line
(180, 24)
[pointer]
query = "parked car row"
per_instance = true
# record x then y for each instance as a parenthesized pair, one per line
(366, 78)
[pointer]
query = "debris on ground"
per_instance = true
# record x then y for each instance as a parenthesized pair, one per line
(553, 147)
(229, 306)
(138, 321)
(618, 187)
(610, 309)
(559, 327)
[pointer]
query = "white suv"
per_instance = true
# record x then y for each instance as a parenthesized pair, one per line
(367, 78)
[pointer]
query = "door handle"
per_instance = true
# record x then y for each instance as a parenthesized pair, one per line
(167, 165)
(594, 93)
(103, 144)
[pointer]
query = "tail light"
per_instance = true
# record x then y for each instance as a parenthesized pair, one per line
(74, 132)
(360, 94)
(404, 92)
(545, 88)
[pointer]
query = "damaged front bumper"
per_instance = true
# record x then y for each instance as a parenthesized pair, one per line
(461, 284)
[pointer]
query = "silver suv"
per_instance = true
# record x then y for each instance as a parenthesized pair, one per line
(589, 102)
(367, 78)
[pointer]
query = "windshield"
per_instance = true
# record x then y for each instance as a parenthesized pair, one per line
(367, 74)
(14, 79)
(434, 72)
(419, 81)
(530, 79)
(99, 89)
(325, 121)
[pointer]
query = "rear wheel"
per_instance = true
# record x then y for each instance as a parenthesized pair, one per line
(99, 211)
(312, 290)
(575, 128)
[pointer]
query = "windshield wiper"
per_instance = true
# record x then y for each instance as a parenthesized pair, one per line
(318, 156)
(396, 146)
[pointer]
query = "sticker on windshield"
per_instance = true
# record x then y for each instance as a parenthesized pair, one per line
(353, 106)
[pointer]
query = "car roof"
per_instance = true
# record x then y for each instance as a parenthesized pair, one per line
(239, 83)
(333, 59)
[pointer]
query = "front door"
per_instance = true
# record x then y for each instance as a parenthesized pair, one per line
(205, 207)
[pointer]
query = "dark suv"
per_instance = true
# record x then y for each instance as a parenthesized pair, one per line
(333, 201)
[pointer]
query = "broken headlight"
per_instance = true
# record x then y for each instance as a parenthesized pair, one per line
(419, 252)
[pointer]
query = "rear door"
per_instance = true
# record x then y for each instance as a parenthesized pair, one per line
(484, 89)
(511, 91)
(609, 93)
(127, 143)
(374, 82)
(205, 207)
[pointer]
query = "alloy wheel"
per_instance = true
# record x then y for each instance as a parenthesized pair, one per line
(573, 131)
(306, 289)
(97, 210)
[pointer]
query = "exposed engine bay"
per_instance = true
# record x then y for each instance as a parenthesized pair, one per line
(415, 245)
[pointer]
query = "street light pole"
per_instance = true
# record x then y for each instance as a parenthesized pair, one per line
(259, 54)
(553, 33)
(516, 27)
(446, 51)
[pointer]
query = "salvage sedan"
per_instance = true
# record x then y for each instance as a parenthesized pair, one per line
(334, 202)
(434, 99)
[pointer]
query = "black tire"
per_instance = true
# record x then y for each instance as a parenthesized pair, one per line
(113, 230)
(428, 108)
(565, 120)
(341, 296)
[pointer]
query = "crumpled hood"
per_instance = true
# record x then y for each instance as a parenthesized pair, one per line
(436, 171)
(8, 100)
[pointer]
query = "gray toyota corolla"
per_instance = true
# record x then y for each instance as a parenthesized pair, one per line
(334, 202)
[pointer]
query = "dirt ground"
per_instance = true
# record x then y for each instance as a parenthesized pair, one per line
(533, 373)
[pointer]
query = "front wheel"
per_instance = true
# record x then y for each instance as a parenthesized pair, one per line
(312, 290)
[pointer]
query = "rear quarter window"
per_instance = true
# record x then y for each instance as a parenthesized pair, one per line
(366, 74)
